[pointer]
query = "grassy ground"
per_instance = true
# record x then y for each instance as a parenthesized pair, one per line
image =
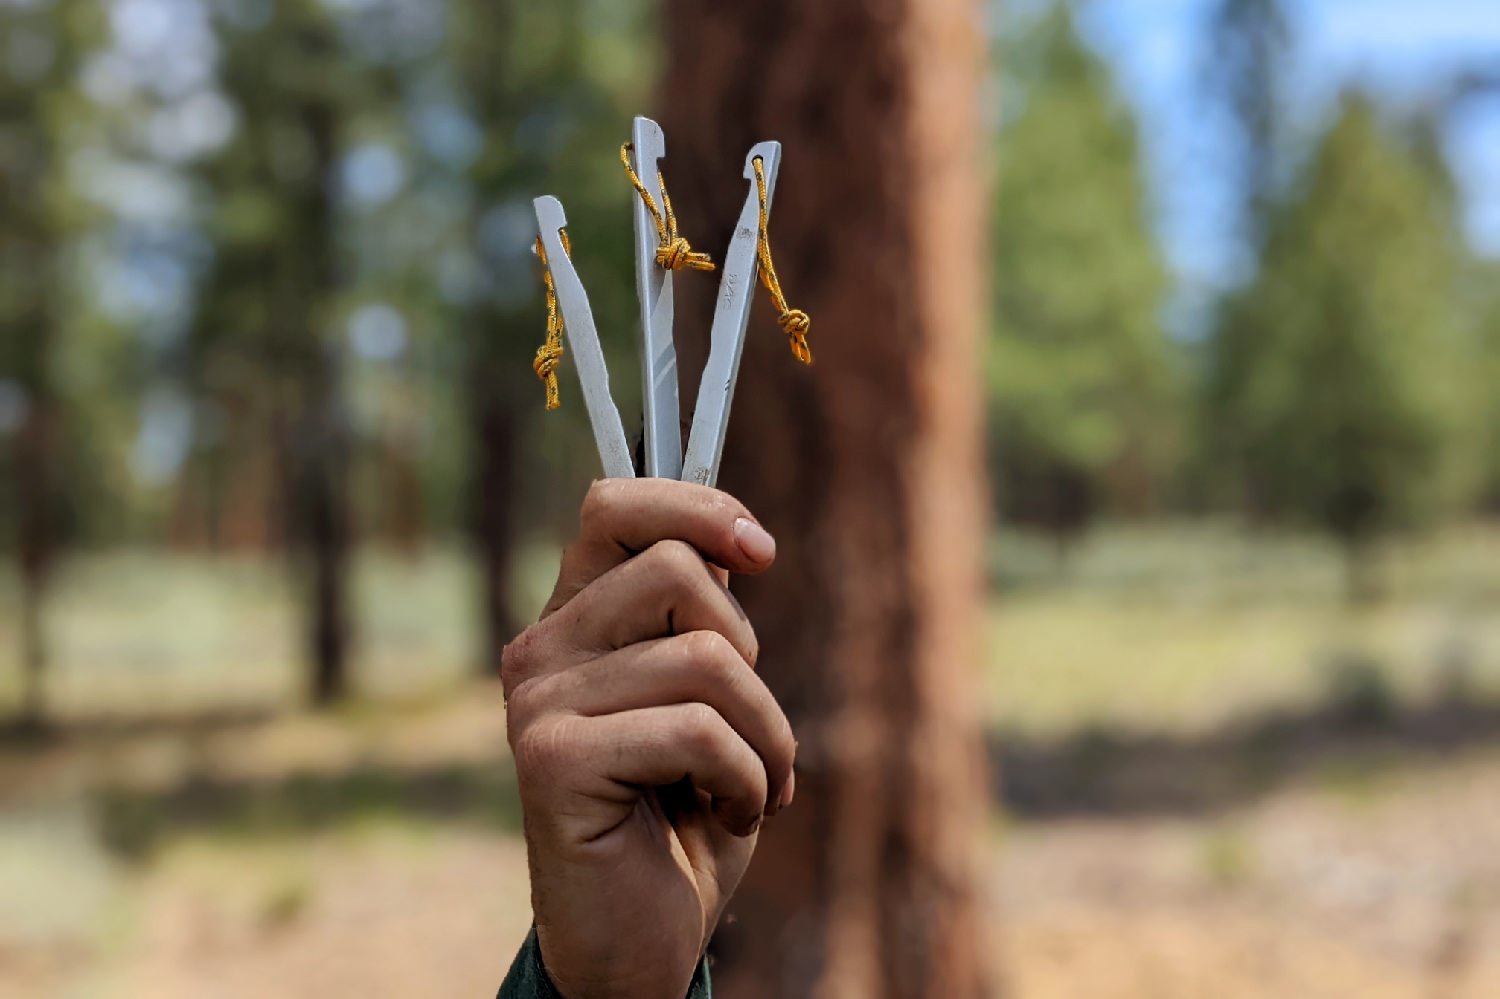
(378, 855)
(147, 635)
(1188, 628)
(1222, 781)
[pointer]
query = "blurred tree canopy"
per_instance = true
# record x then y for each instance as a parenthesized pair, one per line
(46, 450)
(1487, 373)
(1083, 388)
(370, 228)
(265, 310)
(267, 279)
(266, 286)
(1339, 373)
(556, 100)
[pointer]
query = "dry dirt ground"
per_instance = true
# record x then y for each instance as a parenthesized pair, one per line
(365, 856)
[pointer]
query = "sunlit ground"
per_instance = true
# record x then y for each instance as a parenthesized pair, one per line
(1187, 628)
(1224, 780)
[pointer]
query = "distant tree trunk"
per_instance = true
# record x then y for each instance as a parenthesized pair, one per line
(495, 437)
(324, 500)
(402, 514)
(37, 526)
(866, 467)
(326, 512)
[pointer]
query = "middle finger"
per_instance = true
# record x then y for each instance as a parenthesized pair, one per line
(666, 590)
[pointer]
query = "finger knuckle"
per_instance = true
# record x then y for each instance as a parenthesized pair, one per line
(701, 728)
(601, 502)
(542, 749)
(574, 554)
(677, 561)
(518, 711)
(517, 659)
(711, 651)
(529, 700)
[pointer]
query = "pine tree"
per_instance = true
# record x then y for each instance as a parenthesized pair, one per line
(1337, 374)
(40, 112)
(553, 105)
(264, 333)
(1080, 371)
(1486, 413)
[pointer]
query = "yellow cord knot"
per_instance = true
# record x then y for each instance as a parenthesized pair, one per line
(673, 253)
(677, 254)
(548, 357)
(794, 322)
(550, 353)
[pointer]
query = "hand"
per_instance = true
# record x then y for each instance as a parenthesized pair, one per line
(647, 749)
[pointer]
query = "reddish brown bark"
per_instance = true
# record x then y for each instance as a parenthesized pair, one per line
(867, 467)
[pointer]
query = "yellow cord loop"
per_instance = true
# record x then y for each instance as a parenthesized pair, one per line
(794, 322)
(550, 353)
(674, 253)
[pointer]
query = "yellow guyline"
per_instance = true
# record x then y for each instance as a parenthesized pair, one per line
(550, 353)
(794, 322)
(673, 253)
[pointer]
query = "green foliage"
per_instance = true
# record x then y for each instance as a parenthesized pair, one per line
(48, 448)
(1080, 373)
(554, 103)
(1486, 415)
(1338, 375)
(271, 217)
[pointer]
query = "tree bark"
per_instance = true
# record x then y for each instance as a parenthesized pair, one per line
(866, 467)
(495, 430)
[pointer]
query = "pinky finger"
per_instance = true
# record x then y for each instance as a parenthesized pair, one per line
(656, 746)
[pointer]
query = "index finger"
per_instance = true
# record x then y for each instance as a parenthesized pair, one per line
(623, 517)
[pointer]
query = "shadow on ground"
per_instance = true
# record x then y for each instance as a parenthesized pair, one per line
(446, 766)
(133, 822)
(1352, 738)
(1343, 743)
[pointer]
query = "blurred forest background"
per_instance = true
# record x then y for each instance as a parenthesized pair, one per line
(270, 441)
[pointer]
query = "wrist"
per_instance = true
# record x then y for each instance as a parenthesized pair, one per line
(609, 979)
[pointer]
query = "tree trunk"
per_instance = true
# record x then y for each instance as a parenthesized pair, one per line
(324, 436)
(326, 509)
(37, 499)
(866, 467)
(492, 405)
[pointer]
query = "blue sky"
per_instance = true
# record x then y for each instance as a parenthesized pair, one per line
(1404, 50)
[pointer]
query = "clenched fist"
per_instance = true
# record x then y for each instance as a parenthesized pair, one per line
(647, 749)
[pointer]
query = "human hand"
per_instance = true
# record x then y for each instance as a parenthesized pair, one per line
(647, 750)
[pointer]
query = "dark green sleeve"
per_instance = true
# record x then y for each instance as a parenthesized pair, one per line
(528, 976)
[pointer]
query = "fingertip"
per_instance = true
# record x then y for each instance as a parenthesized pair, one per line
(782, 796)
(754, 542)
(736, 820)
